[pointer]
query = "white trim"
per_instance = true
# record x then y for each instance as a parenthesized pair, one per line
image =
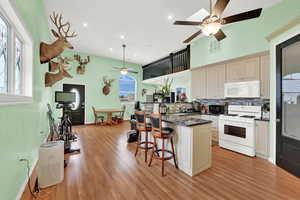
(20, 193)
(9, 10)
(10, 99)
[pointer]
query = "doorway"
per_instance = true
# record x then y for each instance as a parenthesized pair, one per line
(288, 105)
(78, 111)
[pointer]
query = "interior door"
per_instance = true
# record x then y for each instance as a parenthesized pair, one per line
(78, 111)
(288, 105)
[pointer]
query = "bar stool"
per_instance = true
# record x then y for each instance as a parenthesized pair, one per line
(163, 133)
(143, 127)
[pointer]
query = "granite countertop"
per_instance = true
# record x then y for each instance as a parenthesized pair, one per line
(184, 119)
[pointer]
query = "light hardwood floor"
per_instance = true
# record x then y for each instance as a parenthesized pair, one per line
(107, 169)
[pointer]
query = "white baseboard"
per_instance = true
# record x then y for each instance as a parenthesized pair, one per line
(22, 189)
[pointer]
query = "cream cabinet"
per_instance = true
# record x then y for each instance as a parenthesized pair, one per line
(262, 139)
(243, 70)
(265, 76)
(215, 126)
(199, 83)
(215, 81)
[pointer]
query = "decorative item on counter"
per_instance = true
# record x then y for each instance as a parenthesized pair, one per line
(107, 85)
(63, 63)
(179, 91)
(183, 97)
(204, 109)
(49, 51)
(144, 91)
(163, 108)
(82, 63)
(157, 97)
(266, 111)
(166, 90)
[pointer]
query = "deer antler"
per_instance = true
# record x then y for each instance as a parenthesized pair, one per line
(57, 21)
(86, 61)
(82, 61)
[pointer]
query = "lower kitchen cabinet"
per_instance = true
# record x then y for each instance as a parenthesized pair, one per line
(215, 126)
(262, 139)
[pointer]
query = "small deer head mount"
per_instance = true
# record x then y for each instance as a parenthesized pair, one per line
(82, 63)
(62, 66)
(107, 85)
(49, 51)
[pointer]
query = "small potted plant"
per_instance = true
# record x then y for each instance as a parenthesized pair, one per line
(166, 90)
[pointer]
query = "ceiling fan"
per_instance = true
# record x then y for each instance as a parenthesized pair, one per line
(211, 25)
(124, 70)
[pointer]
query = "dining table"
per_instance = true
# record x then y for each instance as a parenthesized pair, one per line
(109, 113)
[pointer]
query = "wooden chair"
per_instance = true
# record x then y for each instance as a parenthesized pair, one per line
(119, 118)
(143, 127)
(162, 133)
(97, 117)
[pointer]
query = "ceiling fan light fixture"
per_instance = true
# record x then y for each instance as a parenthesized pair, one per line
(124, 71)
(211, 28)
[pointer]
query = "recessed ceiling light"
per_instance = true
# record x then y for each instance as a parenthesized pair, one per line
(110, 49)
(122, 37)
(85, 24)
(170, 17)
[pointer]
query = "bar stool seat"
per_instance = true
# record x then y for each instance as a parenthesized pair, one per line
(165, 133)
(162, 133)
(143, 127)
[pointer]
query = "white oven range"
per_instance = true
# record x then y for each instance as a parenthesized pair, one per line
(237, 129)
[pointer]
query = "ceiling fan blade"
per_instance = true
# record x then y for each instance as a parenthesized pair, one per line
(192, 36)
(243, 16)
(220, 35)
(220, 7)
(132, 71)
(187, 23)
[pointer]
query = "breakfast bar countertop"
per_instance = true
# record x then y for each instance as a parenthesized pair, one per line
(184, 120)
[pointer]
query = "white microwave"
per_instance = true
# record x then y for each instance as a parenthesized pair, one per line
(250, 89)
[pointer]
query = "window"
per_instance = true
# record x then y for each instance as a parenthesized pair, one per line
(16, 58)
(127, 87)
(3, 56)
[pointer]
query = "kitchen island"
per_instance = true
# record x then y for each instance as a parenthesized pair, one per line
(192, 141)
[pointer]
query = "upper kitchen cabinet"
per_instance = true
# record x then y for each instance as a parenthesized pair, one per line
(265, 76)
(175, 62)
(215, 78)
(246, 69)
(199, 89)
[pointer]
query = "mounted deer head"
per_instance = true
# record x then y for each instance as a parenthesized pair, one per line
(107, 85)
(51, 79)
(82, 63)
(49, 51)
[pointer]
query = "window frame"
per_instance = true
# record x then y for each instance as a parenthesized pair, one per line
(11, 17)
(135, 90)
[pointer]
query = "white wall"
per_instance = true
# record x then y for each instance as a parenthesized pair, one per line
(279, 39)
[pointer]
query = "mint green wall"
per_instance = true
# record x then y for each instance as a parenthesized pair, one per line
(92, 79)
(246, 37)
(20, 125)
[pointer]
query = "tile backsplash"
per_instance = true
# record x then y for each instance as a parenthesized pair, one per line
(238, 101)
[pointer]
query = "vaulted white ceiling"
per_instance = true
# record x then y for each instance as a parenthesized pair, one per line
(149, 34)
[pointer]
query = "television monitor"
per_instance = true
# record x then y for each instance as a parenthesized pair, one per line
(64, 97)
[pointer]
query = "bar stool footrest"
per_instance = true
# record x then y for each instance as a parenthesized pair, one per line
(165, 158)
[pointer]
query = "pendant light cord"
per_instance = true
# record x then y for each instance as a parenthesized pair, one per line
(123, 55)
(210, 7)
